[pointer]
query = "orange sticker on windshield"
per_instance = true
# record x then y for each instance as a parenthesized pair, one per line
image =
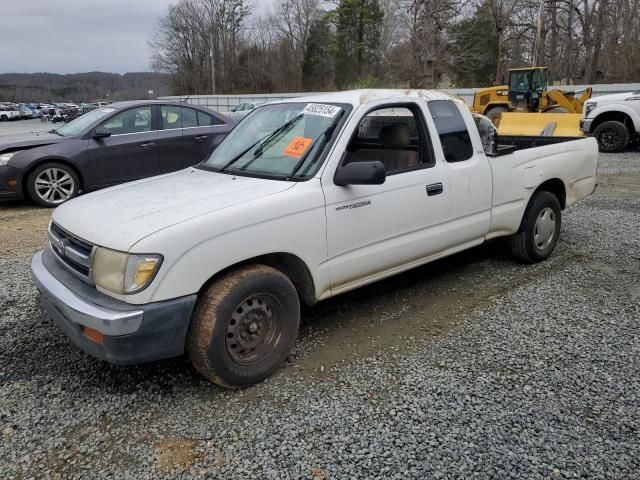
(298, 146)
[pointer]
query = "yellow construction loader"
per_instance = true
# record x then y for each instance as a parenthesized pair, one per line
(527, 107)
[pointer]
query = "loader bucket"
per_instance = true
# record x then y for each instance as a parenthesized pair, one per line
(540, 124)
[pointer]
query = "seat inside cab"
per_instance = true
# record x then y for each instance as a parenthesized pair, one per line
(388, 135)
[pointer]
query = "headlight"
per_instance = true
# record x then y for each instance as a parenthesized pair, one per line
(5, 157)
(588, 108)
(632, 99)
(124, 273)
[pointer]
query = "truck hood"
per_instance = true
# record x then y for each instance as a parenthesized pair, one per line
(119, 217)
(27, 140)
(614, 97)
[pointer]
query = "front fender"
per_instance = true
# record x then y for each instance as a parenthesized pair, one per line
(617, 108)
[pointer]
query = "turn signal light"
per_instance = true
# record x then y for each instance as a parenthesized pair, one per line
(93, 335)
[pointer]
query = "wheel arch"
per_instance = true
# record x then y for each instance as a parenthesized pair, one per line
(614, 115)
(554, 186)
(289, 264)
(49, 159)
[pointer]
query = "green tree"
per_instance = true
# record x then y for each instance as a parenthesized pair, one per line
(475, 42)
(357, 40)
(317, 66)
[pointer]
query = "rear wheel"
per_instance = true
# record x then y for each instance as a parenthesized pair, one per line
(612, 136)
(244, 326)
(540, 229)
(51, 184)
(495, 115)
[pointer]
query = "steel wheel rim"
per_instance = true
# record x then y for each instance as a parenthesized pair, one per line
(610, 138)
(254, 329)
(54, 185)
(545, 228)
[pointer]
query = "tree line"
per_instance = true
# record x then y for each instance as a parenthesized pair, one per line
(81, 87)
(313, 45)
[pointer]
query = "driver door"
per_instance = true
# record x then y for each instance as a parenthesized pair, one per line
(373, 230)
(129, 153)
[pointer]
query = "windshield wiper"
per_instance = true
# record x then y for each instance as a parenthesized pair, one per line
(325, 136)
(53, 130)
(264, 141)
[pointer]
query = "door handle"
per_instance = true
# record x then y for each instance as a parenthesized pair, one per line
(199, 138)
(435, 189)
(147, 144)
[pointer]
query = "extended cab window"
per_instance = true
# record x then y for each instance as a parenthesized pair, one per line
(134, 120)
(391, 135)
(453, 133)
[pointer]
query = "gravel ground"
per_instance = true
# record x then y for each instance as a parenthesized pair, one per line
(471, 367)
(26, 126)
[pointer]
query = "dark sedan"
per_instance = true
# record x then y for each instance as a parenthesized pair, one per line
(109, 145)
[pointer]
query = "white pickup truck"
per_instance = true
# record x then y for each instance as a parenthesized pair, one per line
(305, 199)
(614, 120)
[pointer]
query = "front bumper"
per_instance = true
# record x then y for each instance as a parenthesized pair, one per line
(13, 190)
(585, 125)
(132, 333)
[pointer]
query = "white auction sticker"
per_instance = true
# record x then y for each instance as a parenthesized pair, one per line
(321, 109)
(108, 110)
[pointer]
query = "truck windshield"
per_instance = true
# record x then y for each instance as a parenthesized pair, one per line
(282, 140)
(77, 126)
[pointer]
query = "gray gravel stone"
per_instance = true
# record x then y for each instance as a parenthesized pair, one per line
(540, 379)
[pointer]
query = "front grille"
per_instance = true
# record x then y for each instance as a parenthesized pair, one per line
(73, 252)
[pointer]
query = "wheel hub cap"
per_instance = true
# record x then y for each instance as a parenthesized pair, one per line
(253, 329)
(545, 228)
(54, 185)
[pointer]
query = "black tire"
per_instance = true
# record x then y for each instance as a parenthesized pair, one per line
(3, 118)
(61, 192)
(612, 136)
(244, 326)
(495, 114)
(525, 244)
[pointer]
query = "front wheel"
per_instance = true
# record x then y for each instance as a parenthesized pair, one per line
(244, 326)
(540, 229)
(495, 114)
(612, 136)
(51, 184)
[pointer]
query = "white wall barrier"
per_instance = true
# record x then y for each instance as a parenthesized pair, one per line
(223, 103)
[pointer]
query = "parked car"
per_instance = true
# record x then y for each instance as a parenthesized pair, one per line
(614, 120)
(9, 113)
(305, 199)
(240, 111)
(106, 146)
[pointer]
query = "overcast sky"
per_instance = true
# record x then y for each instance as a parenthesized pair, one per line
(69, 36)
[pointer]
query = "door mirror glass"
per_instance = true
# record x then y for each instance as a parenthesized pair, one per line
(360, 173)
(101, 132)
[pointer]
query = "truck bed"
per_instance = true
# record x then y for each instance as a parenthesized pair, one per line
(510, 143)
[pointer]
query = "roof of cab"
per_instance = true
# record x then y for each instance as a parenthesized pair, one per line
(360, 97)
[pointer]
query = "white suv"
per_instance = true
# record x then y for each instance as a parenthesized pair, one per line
(614, 120)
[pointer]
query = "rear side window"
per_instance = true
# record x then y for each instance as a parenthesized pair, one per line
(204, 119)
(170, 117)
(189, 118)
(453, 133)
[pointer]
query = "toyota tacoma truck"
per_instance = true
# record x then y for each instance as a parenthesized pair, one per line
(614, 120)
(304, 200)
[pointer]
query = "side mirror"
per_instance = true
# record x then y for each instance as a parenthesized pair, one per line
(360, 173)
(101, 132)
